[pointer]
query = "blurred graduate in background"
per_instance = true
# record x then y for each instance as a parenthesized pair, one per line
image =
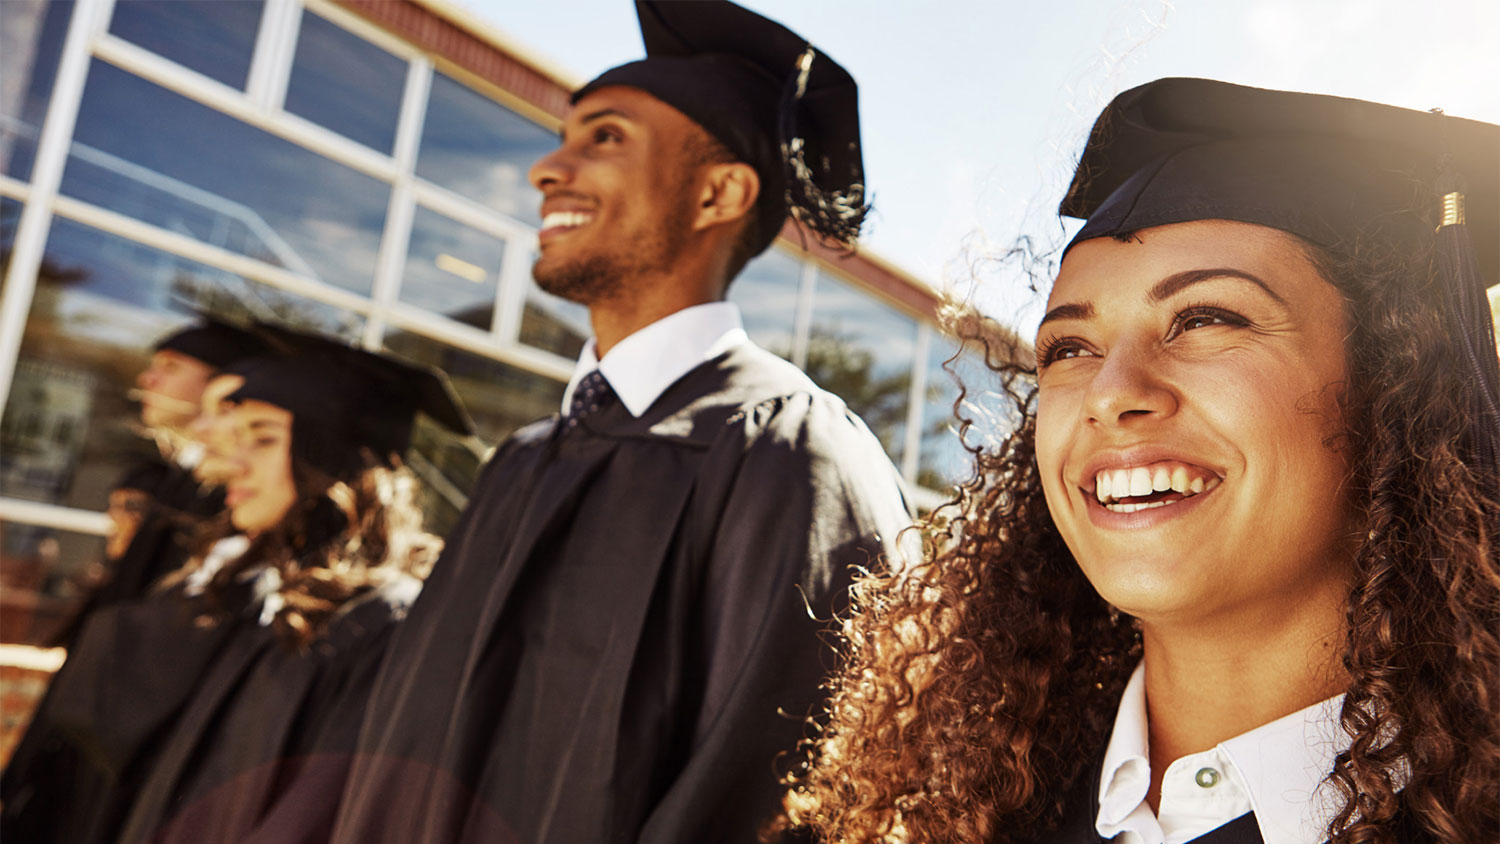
(208, 708)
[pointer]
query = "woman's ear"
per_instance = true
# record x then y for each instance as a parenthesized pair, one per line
(728, 194)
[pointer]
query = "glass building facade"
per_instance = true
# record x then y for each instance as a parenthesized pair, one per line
(304, 162)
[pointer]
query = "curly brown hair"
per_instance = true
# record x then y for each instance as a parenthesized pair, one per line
(979, 683)
(340, 539)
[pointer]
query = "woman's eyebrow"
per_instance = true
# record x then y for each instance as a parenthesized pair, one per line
(1070, 310)
(1175, 283)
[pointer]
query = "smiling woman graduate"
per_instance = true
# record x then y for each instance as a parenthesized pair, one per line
(223, 707)
(1233, 578)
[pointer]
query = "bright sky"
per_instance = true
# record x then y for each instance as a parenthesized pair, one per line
(974, 111)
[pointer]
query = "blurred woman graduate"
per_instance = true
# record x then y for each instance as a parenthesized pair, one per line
(1233, 578)
(222, 708)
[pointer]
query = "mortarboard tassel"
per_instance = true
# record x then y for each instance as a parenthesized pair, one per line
(835, 216)
(1473, 334)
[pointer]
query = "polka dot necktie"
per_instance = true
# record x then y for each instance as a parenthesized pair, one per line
(592, 393)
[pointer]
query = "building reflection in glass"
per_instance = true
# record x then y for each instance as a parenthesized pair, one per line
(481, 150)
(154, 155)
(452, 269)
(215, 39)
(345, 83)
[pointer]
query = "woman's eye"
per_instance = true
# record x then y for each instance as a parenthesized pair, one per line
(1204, 317)
(1052, 351)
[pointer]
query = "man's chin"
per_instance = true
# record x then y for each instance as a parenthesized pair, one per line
(580, 281)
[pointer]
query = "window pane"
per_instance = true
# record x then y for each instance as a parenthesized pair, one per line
(474, 146)
(862, 350)
(31, 37)
(500, 398)
(101, 302)
(213, 37)
(944, 461)
(452, 269)
(44, 573)
(216, 179)
(345, 83)
(767, 292)
(553, 324)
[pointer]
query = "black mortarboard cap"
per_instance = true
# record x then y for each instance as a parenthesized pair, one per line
(1336, 172)
(763, 91)
(215, 342)
(363, 399)
(1331, 170)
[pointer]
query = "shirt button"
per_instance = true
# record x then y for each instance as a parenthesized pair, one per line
(1206, 777)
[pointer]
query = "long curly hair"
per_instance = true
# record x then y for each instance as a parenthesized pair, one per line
(340, 539)
(980, 682)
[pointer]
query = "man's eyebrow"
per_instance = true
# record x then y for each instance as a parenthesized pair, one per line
(1177, 282)
(1071, 310)
(262, 424)
(599, 114)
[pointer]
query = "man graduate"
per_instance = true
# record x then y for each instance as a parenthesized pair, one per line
(623, 635)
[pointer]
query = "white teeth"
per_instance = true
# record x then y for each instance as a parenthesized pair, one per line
(565, 219)
(1136, 507)
(1112, 485)
(1140, 481)
(1161, 479)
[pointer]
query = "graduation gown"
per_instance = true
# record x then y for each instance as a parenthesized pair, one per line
(75, 772)
(267, 735)
(159, 547)
(49, 775)
(194, 734)
(624, 634)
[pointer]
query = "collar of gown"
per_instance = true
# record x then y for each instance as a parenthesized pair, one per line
(642, 366)
(1275, 770)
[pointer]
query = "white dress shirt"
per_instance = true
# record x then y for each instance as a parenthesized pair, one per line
(642, 366)
(1276, 770)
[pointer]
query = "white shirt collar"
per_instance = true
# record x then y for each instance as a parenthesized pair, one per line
(642, 366)
(1275, 770)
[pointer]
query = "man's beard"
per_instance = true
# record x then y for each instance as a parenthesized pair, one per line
(598, 276)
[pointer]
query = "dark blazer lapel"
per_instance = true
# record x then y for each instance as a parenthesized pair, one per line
(1241, 830)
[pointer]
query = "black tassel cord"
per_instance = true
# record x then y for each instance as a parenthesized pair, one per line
(832, 215)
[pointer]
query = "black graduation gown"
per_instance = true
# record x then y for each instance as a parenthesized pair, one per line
(207, 734)
(159, 547)
(76, 770)
(260, 750)
(47, 776)
(619, 642)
